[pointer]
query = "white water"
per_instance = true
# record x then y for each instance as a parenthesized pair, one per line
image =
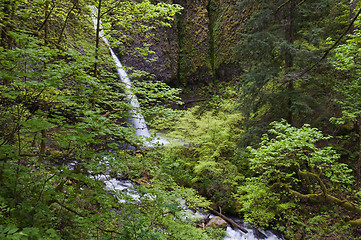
(142, 131)
(236, 234)
(231, 233)
(135, 113)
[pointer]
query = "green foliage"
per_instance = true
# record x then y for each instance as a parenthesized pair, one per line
(296, 149)
(155, 97)
(346, 60)
(203, 155)
(54, 112)
(289, 158)
(279, 42)
(259, 203)
(326, 226)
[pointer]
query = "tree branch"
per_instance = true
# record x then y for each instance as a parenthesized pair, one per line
(81, 215)
(321, 197)
(314, 175)
(283, 4)
(111, 8)
(230, 221)
(46, 18)
(332, 47)
(65, 23)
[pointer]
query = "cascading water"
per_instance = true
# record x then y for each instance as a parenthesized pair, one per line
(142, 131)
(231, 233)
(135, 113)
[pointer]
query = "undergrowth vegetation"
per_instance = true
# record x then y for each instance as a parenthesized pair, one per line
(291, 180)
(64, 130)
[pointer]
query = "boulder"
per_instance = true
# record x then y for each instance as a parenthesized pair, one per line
(217, 222)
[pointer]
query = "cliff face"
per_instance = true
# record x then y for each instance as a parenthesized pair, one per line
(198, 48)
(226, 25)
(194, 43)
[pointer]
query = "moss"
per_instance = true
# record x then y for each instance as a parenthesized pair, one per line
(208, 32)
(193, 32)
(226, 23)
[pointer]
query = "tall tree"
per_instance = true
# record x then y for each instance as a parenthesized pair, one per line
(353, 14)
(346, 61)
(280, 40)
(49, 117)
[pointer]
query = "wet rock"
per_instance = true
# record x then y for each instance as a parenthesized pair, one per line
(217, 222)
(259, 234)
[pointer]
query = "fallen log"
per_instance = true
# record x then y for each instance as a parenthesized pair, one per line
(230, 221)
(194, 100)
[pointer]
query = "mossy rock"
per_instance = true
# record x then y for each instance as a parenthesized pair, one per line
(217, 222)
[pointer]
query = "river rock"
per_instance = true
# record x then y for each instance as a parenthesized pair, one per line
(217, 222)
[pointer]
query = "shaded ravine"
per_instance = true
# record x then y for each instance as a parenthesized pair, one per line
(142, 131)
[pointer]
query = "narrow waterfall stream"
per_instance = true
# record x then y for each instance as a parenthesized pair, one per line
(139, 124)
(135, 113)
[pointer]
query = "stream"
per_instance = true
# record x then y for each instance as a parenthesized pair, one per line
(126, 186)
(141, 128)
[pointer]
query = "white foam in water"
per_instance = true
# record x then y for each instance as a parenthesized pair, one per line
(143, 132)
(117, 186)
(127, 187)
(236, 234)
(136, 116)
(232, 234)
(135, 113)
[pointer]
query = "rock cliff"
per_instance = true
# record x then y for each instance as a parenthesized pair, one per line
(197, 49)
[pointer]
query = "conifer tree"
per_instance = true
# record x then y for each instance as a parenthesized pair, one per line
(281, 39)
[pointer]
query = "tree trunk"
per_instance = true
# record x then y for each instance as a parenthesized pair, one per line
(230, 221)
(286, 20)
(357, 166)
(65, 23)
(352, 15)
(46, 23)
(289, 58)
(97, 38)
(8, 10)
(42, 144)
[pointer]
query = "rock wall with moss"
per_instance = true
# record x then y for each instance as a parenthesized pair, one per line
(194, 43)
(197, 49)
(226, 24)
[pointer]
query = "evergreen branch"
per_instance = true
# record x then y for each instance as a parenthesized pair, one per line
(332, 47)
(300, 3)
(285, 3)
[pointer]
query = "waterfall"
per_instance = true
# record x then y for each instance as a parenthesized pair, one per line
(135, 113)
(138, 122)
